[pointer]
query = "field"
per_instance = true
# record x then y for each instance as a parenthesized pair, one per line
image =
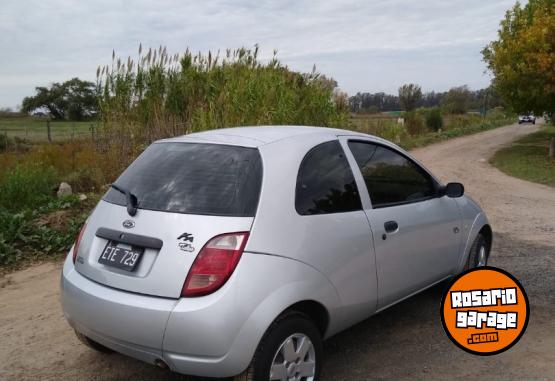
(528, 159)
(34, 129)
(387, 127)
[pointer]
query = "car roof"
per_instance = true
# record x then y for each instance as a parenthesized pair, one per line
(255, 136)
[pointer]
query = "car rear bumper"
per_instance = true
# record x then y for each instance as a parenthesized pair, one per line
(128, 323)
(137, 326)
(215, 335)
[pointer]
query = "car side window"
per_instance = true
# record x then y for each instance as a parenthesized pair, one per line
(325, 182)
(390, 177)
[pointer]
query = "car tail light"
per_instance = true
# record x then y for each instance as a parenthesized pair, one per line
(214, 264)
(78, 241)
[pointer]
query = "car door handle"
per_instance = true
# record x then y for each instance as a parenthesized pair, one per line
(391, 226)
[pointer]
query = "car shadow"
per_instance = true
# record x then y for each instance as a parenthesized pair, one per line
(383, 343)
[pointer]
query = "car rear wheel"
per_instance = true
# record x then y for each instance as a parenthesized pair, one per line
(479, 253)
(291, 350)
(92, 344)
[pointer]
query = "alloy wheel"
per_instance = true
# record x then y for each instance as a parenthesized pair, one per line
(295, 360)
(482, 257)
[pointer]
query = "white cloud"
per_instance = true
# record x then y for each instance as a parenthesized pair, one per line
(365, 45)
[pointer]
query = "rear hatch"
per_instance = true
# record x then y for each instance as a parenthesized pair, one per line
(187, 194)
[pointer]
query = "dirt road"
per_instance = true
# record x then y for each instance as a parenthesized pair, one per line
(404, 342)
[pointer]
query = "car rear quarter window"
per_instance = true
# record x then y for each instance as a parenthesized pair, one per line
(194, 178)
(325, 182)
(390, 177)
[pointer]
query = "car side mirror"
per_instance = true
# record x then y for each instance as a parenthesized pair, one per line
(452, 190)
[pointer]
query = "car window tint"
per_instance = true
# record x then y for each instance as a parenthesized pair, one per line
(325, 183)
(390, 177)
(194, 178)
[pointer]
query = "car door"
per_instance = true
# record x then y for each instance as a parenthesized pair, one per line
(416, 232)
(336, 228)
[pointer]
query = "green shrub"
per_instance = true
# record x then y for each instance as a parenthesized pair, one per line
(9, 255)
(434, 120)
(49, 240)
(45, 230)
(11, 229)
(27, 187)
(11, 225)
(414, 123)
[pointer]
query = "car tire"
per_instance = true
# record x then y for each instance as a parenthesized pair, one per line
(479, 253)
(289, 331)
(92, 344)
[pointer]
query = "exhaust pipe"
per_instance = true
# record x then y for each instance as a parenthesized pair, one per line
(161, 364)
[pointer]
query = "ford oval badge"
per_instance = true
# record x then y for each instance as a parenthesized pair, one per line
(128, 224)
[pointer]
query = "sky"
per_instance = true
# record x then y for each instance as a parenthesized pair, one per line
(366, 45)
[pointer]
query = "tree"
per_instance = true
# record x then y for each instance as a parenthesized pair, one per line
(457, 100)
(74, 99)
(372, 103)
(522, 60)
(409, 96)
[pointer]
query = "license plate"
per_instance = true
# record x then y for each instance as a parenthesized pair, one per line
(122, 257)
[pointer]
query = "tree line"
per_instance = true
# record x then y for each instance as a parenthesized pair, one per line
(457, 100)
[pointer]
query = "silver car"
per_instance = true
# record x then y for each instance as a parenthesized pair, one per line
(235, 252)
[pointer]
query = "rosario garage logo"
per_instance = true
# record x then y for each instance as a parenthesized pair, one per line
(485, 311)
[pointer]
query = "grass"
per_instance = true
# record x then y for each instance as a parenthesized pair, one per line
(528, 159)
(34, 129)
(386, 127)
(435, 137)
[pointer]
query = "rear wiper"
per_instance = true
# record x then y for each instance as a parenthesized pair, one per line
(132, 200)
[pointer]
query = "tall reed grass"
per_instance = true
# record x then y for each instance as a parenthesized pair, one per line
(159, 95)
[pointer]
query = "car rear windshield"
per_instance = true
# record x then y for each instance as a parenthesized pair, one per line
(193, 178)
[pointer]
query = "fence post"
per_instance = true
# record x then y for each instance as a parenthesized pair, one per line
(48, 131)
(5, 134)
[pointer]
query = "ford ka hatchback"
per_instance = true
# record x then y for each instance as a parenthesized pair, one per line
(235, 252)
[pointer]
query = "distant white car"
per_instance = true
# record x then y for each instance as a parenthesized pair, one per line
(526, 119)
(237, 251)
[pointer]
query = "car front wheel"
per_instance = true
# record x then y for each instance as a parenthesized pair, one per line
(479, 253)
(291, 350)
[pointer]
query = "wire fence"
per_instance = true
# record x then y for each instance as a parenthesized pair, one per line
(34, 131)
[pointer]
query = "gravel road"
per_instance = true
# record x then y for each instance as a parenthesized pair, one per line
(404, 342)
